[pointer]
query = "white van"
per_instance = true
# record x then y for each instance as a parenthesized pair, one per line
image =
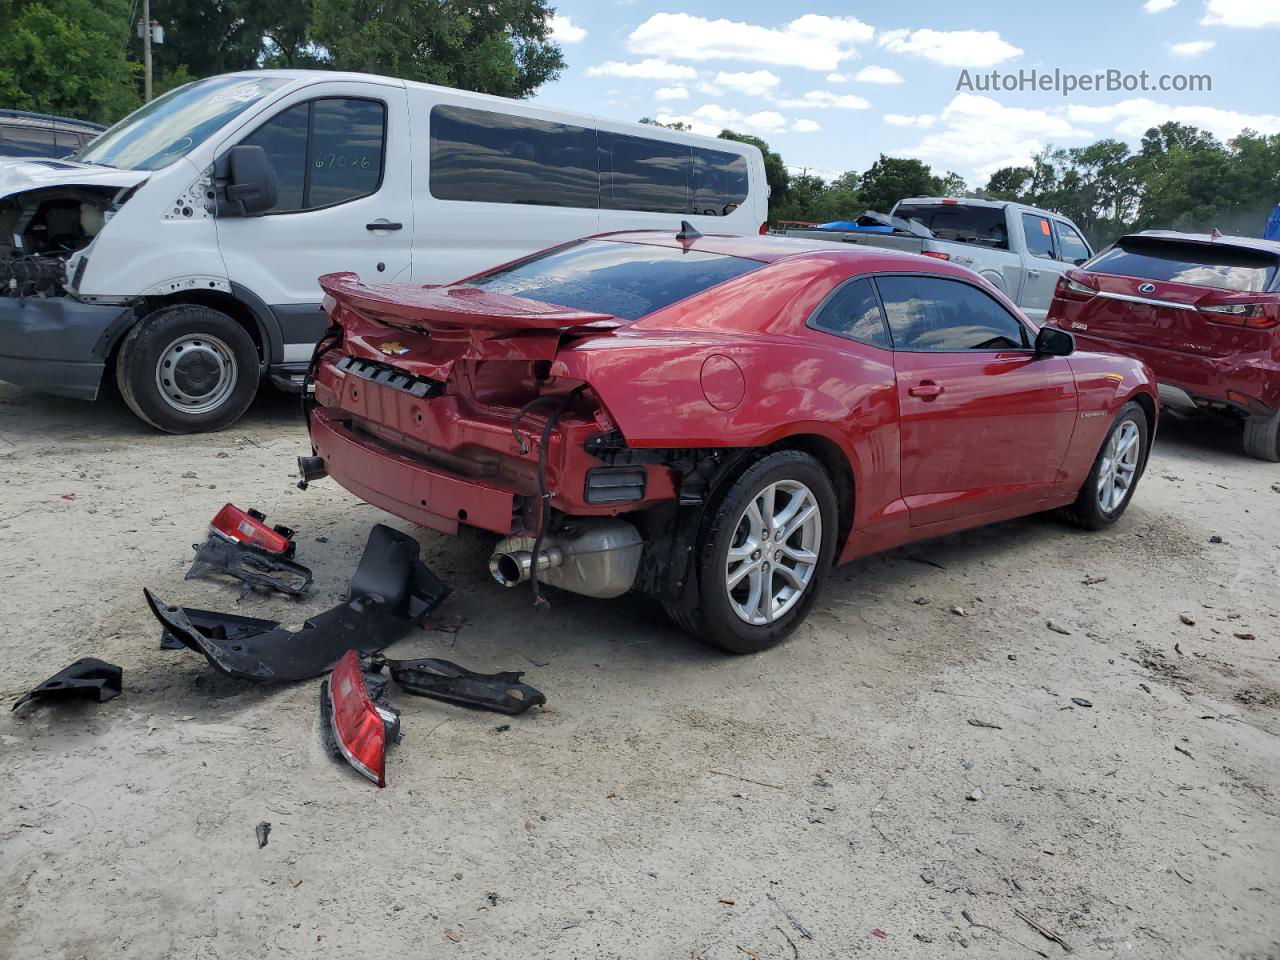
(179, 251)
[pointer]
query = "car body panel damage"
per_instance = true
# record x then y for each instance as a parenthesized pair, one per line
(391, 592)
(87, 679)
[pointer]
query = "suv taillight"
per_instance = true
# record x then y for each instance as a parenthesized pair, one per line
(1070, 288)
(936, 254)
(1256, 316)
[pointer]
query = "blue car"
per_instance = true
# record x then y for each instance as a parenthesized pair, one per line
(1273, 227)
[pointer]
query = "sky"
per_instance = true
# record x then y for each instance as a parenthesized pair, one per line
(831, 86)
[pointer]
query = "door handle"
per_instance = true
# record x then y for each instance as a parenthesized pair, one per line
(383, 225)
(1033, 274)
(927, 391)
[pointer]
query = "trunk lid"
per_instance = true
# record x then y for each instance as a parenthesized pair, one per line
(425, 331)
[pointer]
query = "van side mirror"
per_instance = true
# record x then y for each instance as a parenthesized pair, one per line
(1052, 342)
(250, 182)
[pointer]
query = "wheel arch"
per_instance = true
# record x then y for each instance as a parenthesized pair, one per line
(836, 463)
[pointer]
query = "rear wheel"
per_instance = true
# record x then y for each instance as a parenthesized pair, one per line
(1114, 477)
(1262, 437)
(188, 369)
(767, 545)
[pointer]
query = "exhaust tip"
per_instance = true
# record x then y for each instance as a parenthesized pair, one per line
(507, 570)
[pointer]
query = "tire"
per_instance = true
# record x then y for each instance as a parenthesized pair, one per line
(1262, 437)
(717, 615)
(188, 369)
(1089, 511)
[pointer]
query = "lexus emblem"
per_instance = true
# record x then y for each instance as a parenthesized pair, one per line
(1147, 288)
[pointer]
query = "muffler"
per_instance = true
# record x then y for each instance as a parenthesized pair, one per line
(593, 557)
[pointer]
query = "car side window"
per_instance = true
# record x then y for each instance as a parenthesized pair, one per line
(1039, 234)
(1071, 246)
(853, 311)
(324, 152)
(940, 314)
(24, 141)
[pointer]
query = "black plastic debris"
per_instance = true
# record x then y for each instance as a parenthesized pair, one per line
(263, 830)
(87, 679)
(443, 680)
(222, 626)
(391, 592)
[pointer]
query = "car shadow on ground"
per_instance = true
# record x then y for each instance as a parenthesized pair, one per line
(30, 415)
(1204, 436)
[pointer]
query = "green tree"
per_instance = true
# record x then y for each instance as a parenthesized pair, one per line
(67, 57)
(502, 47)
(891, 179)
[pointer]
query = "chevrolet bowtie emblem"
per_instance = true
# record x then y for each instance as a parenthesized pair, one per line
(393, 349)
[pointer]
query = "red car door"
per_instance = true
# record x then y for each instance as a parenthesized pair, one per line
(985, 423)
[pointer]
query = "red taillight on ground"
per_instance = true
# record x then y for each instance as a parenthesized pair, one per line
(248, 527)
(935, 254)
(359, 727)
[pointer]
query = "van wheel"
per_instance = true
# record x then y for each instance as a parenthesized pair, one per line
(1110, 485)
(1262, 437)
(188, 369)
(766, 549)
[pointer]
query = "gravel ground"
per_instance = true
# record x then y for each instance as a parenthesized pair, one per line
(925, 769)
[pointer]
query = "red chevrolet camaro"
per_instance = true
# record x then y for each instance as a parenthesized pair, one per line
(714, 421)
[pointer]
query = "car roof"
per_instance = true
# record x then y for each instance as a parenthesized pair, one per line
(49, 118)
(768, 249)
(1256, 244)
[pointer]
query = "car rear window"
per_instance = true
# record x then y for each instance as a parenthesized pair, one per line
(960, 222)
(1222, 267)
(625, 280)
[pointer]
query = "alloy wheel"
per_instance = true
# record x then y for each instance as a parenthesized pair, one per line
(774, 553)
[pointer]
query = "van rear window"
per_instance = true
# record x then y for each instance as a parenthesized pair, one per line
(960, 222)
(1222, 267)
(624, 280)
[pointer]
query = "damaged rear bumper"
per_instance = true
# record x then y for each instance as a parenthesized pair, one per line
(57, 344)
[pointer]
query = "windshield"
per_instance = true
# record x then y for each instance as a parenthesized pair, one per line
(624, 280)
(170, 127)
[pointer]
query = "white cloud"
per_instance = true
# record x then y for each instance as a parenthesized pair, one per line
(564, 30)
(880, 75)
(922, 120)
(823, 99)
(952, 48)
(1133, 118)
(1158, 6)
(812, 41)
(711, 118)
(806, 126)
(650, 69)
(1241, 13)
(671, 93)
(980, 134)
(1191, 48)
(837, 78)
(754, 84)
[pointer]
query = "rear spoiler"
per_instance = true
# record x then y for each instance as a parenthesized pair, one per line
(458, 310)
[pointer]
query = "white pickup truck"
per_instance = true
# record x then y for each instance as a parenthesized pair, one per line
(1022, 250)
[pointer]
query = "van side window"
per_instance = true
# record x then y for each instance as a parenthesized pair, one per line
(324, 152)
(719, 181)
(487, 157)
(1039, 235)
(642, 174)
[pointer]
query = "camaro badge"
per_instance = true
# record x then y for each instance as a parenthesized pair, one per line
(393, 348)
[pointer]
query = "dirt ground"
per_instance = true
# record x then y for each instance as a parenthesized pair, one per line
(922, 766)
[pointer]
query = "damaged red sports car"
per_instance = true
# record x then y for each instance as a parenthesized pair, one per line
(714, 421)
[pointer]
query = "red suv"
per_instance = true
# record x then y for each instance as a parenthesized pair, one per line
(1203, 311)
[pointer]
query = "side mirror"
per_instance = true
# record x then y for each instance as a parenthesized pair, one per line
(250, 180)
(1052, 342)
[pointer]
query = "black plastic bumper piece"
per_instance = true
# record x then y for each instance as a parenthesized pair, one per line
(391, 592)
(443, 680)
(251, 566)
(86, 679)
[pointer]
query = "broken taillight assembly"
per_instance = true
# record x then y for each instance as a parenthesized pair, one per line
(359, 727)
(249, 528)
